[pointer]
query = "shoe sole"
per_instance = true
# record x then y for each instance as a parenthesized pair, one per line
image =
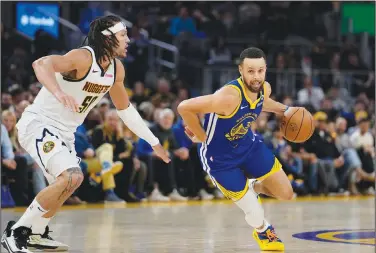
(41, 248)
(6, 246)
(254, 234)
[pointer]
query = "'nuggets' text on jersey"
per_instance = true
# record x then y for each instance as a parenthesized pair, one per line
(87, 92)
(96, 88)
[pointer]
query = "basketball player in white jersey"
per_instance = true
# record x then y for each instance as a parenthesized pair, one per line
(73, 85)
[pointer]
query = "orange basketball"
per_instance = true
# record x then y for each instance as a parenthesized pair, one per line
(297, 125)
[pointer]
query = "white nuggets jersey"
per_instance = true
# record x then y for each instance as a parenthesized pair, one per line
(87, 92)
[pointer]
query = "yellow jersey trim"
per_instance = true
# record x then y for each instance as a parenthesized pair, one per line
(234, 196)
(251, 103)
(277, 166)
(237, 107)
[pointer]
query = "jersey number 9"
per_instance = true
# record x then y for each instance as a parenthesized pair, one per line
(86, 103)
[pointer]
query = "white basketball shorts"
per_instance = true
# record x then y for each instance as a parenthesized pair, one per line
(52, 148)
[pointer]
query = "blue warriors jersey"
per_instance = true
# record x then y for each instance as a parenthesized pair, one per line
(232, 153)
(232, 134)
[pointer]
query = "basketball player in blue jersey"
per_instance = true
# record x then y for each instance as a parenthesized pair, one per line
(231, 153)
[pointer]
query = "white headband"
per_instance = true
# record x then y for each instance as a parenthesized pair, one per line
(114, 29)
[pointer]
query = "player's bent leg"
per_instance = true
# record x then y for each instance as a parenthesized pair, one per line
(271, 179)
(234, 185)
(64, 167)
(53, 197)
(31, 231)
(276, 185)
(264, 233)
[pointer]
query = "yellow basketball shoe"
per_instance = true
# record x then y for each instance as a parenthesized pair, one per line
(268, 240)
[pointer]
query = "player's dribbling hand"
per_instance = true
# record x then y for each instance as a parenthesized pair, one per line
(191, 135)
(162, 153)
(68, 101)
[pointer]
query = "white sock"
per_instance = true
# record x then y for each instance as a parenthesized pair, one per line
(254, 213)
(266, 225)
(33, 217)
(39, 227)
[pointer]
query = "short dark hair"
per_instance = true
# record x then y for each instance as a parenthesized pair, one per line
(103, 45)
(253, 53)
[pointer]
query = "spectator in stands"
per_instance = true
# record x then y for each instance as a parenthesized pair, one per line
(292, 164)
(111, 132)
(163, 97)
(183, 94)
(17, 93)
(182, 23)
(310, 95)
(310, 165)
(189, 164)
(361, 78)
(162, 177)
(363, 142)
(15, 168)
(98, 164)
(139, 172)
(6, 102)
(352, 160)
(295, 163)
(20, 108)
(103, 107)
(140, 94)
(92, 120)
(278, 76)
(137, 56)
(340, 98)
(327, 107)
(147, 111)
(322, 144)
(9, 120)
(34, 88)
(124, 152)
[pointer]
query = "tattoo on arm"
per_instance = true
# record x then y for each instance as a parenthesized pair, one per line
(71, 186)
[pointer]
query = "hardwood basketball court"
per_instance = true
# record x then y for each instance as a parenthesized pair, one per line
(306, 225)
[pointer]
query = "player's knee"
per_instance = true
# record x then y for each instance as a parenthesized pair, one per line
(286, 193)
(72, 178)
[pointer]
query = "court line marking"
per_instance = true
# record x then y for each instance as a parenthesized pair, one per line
(194, 203)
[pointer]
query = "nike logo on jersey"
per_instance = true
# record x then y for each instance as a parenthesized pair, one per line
(95, 71)
(242, 107)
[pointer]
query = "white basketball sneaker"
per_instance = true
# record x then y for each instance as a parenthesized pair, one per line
(15, 241)
(44, 242)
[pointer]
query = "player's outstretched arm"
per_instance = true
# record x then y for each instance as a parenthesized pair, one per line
(131, 118)
(46, 67)
(223, 102)
(271, 105)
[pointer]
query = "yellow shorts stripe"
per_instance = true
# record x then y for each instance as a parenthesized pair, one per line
(276, 167)
(235, 196)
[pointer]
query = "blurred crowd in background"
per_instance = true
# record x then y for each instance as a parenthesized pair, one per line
(309, 64)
